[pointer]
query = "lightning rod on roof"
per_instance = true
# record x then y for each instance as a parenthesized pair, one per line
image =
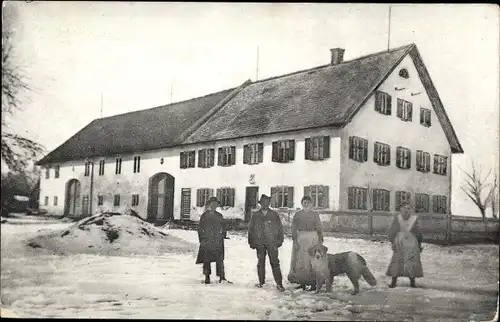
(389, 30)
(101, 103)
(257, 69)
(171, 91)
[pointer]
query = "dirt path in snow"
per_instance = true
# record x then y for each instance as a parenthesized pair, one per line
(460, 285)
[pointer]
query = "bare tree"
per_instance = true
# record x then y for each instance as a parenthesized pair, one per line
(493, 197)
(17, 151)
(474, 187)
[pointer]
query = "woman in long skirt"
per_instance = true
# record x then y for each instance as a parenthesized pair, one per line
(306, 232)
(406, 245)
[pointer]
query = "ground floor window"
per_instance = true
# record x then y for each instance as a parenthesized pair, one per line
(116, 201)
(439, 204)
(421, 202)
(402, 196)
(135, 200)
(226, 197)
(282, 197)
(319, 195)
(381, 199)
(185, 203)
(202, 196)
(357, 198)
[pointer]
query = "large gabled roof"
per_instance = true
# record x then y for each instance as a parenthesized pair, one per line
(328, 95)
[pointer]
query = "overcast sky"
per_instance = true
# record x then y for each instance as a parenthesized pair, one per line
(135, 53)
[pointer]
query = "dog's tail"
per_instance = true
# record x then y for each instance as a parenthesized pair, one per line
(368, 276)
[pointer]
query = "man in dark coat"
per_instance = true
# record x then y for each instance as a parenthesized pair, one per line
(265, 235)
(211, 234)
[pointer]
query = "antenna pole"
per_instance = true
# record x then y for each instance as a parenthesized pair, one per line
(101, 103)
(257, 71)
(389, 30)
(171, 92)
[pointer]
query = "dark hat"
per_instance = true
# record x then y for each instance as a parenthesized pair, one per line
(212, 199)
(263, 196)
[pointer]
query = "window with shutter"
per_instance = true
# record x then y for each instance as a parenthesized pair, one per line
(308, 149)
(201, 158)
(383, 103)
(351, 147)
(233, 155)
(292, 150)
(219, 157)
(246, 154)
(198, 198)
(326, 147)
(325, 202)
(290, 197)
(275, 152)
(261, 152)
(365, 150)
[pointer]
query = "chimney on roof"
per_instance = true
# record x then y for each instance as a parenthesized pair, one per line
(337, 56)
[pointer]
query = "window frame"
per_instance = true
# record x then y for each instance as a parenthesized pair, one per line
(381, 153)
(423, 161)
(118, 166)
(383, 103)
(116, 200)
(381, 199)
(425, 117)
(440, 164)
(422, 203)
(405, 110)
(283, 151)
(358, 149)
(354, 194)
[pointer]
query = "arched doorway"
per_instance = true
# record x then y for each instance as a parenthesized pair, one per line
(161, 197)
(72, 204)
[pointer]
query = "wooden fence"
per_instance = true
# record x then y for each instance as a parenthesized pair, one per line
(434, 227)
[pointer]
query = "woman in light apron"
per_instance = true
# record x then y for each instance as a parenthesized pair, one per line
(406, 245)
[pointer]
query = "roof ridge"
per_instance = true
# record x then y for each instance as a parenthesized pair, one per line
(329, 65)
(171, 104)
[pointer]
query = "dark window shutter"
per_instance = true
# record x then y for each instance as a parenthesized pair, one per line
(351, 147)
(399, 111)
(233, 155)
(246, 154)
(398, 199)
(261, 152)
(429, 113)
(326, 147)
(435, 164)
(365, 149)
(398, 157)
(275, 152)
(422, 116)
(409, 159)
(350, 197)
(212, 157)
(445, 165)
(376, 158)
(181, 160)
(307, 191)
(378, 101)
(219, 196)
(198, 198)
(290, 197)
(365, 193)
(308, 149)
(389, 104)
(219, 156)
(388, 155)
(292, 150)
(410, 112)
(387, 200)
(232, 192)
(325, 200)
(274, 197)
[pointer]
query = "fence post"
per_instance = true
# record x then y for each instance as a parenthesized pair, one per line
(370, 223)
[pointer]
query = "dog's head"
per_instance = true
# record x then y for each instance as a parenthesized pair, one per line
(318, 251)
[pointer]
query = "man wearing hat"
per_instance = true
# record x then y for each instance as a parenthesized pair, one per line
(211, 234)
(265, 235)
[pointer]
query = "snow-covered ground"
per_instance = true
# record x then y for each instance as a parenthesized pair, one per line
(460, 284)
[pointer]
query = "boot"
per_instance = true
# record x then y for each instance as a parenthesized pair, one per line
(412, 282)
(207, 279)
(280, 288)
(394, 282)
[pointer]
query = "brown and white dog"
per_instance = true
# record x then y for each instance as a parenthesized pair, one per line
(326, 266)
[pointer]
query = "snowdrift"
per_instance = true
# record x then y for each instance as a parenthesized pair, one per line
(111, 234)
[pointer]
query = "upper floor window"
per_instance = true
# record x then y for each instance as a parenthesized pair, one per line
(425, 117)
(187, 159)
(423, 161)
(283, 151)
(422, 202)
(226, 156)
(402, 196)
(47, 173)
(403, 158)
(358, 149)
(439, 204)
(383, 103)
(382, 153)
(405, 110)
(356, 198)
(440, 164)
(101, 167)
(87, 169)
(381, 199)
(282, 197)
(317, 148)
(206, 158)
(202, 195)
(319, 195)
(137, 164)
(56, 171)
(253, 153)
(226, 197)
(118, 167)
